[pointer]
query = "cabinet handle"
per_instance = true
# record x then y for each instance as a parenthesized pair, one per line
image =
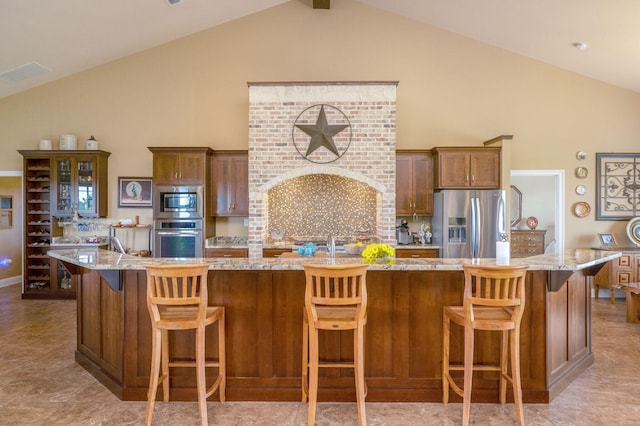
(466, 178)
(415, 255)
(473, 179)
(226, 255)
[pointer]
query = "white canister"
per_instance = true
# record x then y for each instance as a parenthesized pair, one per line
(68, 142)
(91, 143)
(503, 249)
(46, 144)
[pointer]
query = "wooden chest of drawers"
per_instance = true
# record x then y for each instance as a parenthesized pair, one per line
(527, 243)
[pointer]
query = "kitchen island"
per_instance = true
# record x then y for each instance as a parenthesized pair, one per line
(264, 298)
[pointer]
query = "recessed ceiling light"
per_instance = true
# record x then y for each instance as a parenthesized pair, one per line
(580, 46)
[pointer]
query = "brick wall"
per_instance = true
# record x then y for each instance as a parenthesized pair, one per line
(370, 109)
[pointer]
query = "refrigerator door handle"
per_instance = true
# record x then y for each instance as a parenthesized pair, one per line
(478, 226)
(472, 237)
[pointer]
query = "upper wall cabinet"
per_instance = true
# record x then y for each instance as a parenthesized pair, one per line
(231, 183)
(180, 165)
(414, 183)
(462, 167)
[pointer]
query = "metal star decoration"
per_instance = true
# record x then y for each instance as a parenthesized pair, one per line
(322, 133)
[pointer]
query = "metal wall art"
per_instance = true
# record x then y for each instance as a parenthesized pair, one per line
(617, 186)
(335, 138)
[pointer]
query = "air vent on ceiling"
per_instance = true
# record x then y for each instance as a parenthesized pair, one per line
(321, 4)
(24, 72)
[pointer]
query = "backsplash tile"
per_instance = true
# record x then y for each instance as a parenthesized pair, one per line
(319, 205)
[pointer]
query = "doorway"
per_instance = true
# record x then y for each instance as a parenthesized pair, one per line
(11, 235)
(543, 198)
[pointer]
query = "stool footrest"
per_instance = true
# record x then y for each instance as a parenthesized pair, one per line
(193, 364)
(335, 365)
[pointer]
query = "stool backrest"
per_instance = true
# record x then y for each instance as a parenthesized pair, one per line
(177, 285)
(496, 286)
(336, 285)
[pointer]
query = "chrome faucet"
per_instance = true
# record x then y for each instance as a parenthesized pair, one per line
(331, 247)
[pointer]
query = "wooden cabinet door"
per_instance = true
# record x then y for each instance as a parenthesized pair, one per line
(414, 183)
(192, 169)
(166, 168)
(274, 252)
(453, 170)
(240, 183)
(423, 184)
(231, 183)
(221, 175)
(485, 169)
(423, 253)
(404, 196)
(214, 252)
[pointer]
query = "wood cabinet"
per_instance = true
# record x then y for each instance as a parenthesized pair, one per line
(274, 252)
(463, 167)
(181, 165)
(57, 183)
(231, 183)
(421, 253)
(231, 252)
(623, 270)
(414, 183)
(526, 243)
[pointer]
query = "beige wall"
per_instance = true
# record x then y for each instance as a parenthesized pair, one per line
(452, 91)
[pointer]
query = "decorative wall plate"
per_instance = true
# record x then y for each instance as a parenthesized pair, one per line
(581, 189)
(581, 209)
(581, 172)
(633, 230)
(532, 222)
(581, 155)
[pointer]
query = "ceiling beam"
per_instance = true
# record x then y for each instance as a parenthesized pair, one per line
(322, 4)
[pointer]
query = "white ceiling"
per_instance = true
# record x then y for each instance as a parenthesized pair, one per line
(68, 36)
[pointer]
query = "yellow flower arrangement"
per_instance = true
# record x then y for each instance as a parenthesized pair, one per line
(377, 251)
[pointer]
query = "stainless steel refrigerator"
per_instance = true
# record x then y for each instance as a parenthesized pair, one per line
(467, 223)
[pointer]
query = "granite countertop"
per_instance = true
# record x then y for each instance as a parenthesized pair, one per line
(568, 260)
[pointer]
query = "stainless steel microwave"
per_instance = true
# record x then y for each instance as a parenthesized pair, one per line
(178, 202)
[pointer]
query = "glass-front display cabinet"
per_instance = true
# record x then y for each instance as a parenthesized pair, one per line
(77, 189)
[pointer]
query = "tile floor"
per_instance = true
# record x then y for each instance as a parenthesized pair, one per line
(40, 383)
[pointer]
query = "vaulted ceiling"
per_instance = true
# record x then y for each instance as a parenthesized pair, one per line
(68, 36)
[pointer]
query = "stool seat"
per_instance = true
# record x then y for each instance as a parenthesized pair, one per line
(493, 300)
(485, 318)
(177, 299)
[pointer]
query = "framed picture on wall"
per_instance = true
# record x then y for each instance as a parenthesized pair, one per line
(607, 239)
(134, 192)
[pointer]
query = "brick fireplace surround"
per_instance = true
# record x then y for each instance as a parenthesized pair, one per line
(273, 158)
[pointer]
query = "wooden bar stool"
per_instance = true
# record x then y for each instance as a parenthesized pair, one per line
(335, 299)
(177, 300)
(493, 300)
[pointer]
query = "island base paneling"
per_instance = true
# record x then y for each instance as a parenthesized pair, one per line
(264, 337)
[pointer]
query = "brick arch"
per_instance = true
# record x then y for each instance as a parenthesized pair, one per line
(321, 169)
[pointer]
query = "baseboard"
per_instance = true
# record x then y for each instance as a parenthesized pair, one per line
(5, 282)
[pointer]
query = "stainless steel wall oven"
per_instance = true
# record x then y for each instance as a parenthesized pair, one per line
(178, 237)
